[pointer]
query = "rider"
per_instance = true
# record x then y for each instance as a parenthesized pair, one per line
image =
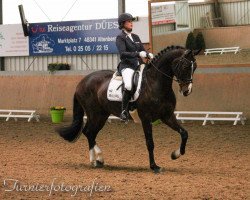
(131, 52)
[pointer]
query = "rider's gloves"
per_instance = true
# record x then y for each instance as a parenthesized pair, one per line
(151, 56)
(143, 54)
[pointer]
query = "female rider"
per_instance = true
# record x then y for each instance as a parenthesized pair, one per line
(131, 52)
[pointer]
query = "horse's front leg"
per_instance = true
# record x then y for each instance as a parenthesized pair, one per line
(147, 128)
(174, 124)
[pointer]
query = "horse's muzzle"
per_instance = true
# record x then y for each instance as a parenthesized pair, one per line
(186, 89)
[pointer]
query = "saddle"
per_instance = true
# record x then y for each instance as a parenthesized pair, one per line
(116, 86)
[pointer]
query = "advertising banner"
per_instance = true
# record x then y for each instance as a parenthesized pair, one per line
(162, 13)
(65, 38)
(12, 41)
(73, 37)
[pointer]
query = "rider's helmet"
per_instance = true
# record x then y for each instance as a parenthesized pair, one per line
(123, 18)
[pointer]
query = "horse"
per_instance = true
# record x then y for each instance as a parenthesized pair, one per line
(156, 101)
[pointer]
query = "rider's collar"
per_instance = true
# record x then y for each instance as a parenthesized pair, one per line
(125, 31)
(128, 34)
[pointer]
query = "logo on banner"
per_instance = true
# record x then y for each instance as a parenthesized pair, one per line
(43, 44)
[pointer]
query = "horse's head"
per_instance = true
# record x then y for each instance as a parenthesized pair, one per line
(183, 69)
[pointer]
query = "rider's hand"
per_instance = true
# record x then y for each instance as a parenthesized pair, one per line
(150, 56)
(143, 54)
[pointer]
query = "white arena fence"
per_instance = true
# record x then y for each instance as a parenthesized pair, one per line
(15, 114)
(222, 50)
(205, 116)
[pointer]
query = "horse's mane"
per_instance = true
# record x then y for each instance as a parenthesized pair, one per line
(164, 52)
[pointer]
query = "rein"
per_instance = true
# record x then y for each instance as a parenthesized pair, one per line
(163, 72)
(166, 75)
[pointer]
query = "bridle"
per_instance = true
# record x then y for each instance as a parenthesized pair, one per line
(176, 80)
(192, 71)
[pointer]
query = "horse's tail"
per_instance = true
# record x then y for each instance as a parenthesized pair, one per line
(72, 133)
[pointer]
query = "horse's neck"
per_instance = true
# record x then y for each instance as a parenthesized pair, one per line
(160, 75)
(157, 83)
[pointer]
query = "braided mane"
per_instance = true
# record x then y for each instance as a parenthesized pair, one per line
(164, 51)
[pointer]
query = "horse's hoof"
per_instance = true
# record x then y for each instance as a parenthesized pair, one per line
(156, 169)
(175, 155)
(98, 164)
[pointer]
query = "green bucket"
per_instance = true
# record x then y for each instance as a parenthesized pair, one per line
(57, 116)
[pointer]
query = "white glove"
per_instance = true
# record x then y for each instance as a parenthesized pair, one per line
(143, 54)
(151, 56)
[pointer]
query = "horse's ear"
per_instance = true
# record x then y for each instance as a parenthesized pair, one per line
(196, 52)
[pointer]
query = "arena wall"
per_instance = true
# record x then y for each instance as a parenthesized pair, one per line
(216, 88)
(38, 92)
(214, 38)
(226, 37)
(174, 38)
(223, 90)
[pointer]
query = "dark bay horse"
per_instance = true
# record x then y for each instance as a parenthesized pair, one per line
(156, 101)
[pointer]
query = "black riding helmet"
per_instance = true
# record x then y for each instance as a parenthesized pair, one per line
(123, 18)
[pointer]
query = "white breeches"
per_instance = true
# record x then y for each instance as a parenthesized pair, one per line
(127, 75)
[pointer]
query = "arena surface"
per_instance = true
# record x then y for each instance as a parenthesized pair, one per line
(216, 164)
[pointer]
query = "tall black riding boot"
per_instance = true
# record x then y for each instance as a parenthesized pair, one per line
(125, 101)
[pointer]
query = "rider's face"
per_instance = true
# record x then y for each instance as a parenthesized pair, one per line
(128, 25)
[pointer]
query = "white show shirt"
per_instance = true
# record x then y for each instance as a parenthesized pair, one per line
(129, 35)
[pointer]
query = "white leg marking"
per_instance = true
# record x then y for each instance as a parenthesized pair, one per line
(177, 153)
(92, 156)
(97, 149)
(98, 153)
(190, 88)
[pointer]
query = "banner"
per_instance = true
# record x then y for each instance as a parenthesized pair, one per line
(66, 38)
(73, 37)
(162, 13)
(12, 41)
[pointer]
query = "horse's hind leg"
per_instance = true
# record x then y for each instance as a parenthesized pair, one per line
(173, 123)
(91, 129)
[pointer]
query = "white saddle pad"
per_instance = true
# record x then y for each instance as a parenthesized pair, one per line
(114, 92)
